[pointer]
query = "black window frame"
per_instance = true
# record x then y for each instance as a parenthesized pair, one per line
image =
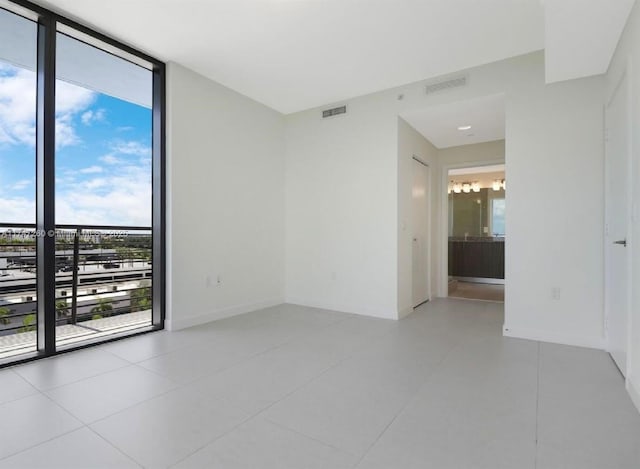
(47, 28)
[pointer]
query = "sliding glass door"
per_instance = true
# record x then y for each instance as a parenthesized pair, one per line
(81, 186)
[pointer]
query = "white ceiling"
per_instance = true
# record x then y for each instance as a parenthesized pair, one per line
(296, 54)
(581, 36)
(439, 124)
(494, 168)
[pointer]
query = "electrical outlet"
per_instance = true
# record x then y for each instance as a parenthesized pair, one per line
(555, 293)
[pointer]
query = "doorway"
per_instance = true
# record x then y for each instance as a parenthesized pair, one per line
(420, 232)
(476, 232)
(618, 214)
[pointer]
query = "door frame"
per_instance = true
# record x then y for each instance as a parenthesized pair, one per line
(625, 72)
(443, 284)
(430, 273)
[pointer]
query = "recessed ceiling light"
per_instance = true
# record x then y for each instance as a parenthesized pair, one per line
(464, 127)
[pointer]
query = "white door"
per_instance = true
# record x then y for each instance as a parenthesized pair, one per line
(617, 223)
(420, 224)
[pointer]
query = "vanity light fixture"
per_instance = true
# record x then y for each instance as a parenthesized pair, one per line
(466, 187)
(475, 186)
(457, 187)
(498, 184)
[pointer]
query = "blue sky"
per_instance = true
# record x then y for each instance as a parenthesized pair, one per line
(103, 154)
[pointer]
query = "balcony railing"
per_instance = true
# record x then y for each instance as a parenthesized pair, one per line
(103, 283)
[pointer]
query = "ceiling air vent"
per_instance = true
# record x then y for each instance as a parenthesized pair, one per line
(334, 112)
(446, 84)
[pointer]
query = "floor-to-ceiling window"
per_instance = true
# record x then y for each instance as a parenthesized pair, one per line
(81, 186)
(18, 302)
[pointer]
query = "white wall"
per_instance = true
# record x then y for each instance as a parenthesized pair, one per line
(342, 207)
(628, 51)
(555, 236)
(225, 201)
(472, 155)
(410, 143)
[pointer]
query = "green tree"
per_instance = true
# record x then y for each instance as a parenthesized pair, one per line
(140, 299)
(4, 316)
(62, 309)
(28, 323)
(103, 306)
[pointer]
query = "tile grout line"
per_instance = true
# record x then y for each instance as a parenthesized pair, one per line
(406, 404)
(36, 390)
(257, 413)
(179, 385)
(260, 411)
(232, 429)
(251, 356)
(312, 438)
(88, 424)
(41, 443)
(184, 385)
(44, 390)
(82, 424)
(351, 354)
(327, 369)
(114, 446)
(240, 361)
(290, 339)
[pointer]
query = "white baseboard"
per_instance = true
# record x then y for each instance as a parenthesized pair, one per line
(634, 391)
(175, 324)
(340, 308)
(553, 337)
(404, 313)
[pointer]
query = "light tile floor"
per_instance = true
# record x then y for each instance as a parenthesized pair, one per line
(295, 387)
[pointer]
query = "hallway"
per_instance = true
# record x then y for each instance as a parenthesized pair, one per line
(291, 387)
(478, 291)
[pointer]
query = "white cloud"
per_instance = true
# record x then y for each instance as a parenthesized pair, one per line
(20, 185)
(93, 184)
(127, 148)
(91, 116)
(91, 170)
(131, 148)
(72, 99)
(121, 199)
(18, 107)
(17, 210)
(65, 133)
(110, 159)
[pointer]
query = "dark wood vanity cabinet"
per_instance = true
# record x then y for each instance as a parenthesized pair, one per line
(476, 257)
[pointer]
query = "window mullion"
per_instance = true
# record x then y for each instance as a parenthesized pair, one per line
(45, 180)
